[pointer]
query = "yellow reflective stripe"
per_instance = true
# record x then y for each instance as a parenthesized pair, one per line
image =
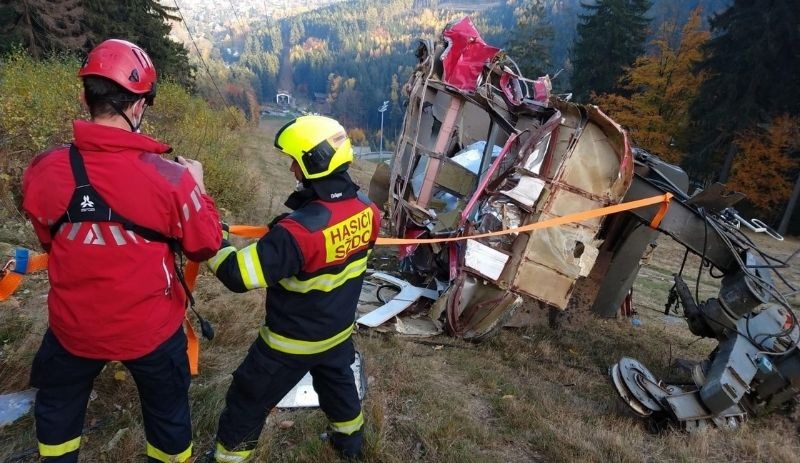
(160, 455)
(47, 450)
(229, 456)
(250, 267)
(221, 255)
(296, 346)
(326, 282)
(349, 427)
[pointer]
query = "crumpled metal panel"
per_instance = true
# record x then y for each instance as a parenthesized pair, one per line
(588, 172)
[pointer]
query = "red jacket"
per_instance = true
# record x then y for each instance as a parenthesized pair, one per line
(114, 295)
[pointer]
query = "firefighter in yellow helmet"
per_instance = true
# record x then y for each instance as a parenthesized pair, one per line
(312, 262)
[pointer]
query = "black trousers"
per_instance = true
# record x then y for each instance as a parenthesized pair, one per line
(266, 376)
(65, 382)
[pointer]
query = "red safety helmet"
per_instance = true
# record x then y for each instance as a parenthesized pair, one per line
(124, 63)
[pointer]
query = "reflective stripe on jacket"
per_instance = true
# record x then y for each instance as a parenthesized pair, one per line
(313, 263)
(114, 295)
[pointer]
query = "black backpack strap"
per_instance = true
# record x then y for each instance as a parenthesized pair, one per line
(86, 205)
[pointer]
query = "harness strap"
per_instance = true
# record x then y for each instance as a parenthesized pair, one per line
(87, 205)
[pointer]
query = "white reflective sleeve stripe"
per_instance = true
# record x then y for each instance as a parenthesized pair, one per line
(250, 267)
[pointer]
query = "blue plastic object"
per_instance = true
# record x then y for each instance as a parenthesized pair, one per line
(21, 260)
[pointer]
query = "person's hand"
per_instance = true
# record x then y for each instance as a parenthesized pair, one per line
(225, 230)
(224, 243)
(195, 170)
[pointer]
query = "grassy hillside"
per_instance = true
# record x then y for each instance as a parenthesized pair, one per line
(530, 394)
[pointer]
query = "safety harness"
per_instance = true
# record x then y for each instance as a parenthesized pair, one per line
(87, 205)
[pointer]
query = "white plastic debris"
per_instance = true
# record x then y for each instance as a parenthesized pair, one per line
(15, 405)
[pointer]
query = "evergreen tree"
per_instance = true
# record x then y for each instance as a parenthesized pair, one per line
(753, 64)
(144, 22)
(610, 38)
(531, 39)
(42, 26)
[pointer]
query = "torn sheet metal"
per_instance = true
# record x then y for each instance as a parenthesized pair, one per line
(465, 56)
(485, 260)
(303, 394)
(418, 327)
(475, 311)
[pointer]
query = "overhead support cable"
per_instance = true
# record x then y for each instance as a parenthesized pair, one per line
(200, 55)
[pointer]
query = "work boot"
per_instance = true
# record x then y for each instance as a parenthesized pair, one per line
(347, 446)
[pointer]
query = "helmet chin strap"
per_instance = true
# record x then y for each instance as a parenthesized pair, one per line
(118, 109)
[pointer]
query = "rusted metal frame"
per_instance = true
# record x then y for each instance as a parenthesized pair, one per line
(445, 132)
(626, 161)
(572, 189)
(417, 155)
(550, 126)
(425, 82)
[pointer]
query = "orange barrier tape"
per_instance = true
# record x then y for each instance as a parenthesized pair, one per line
(8, 284)
(248, 231)
(251, 231)
(190, 271)
(192, 347)
(662, 211)
(569, 218)
(37, 262)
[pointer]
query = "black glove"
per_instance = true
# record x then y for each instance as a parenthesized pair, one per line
(277, 219)
(225, 235)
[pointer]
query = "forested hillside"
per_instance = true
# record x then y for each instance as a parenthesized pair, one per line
(356, 54)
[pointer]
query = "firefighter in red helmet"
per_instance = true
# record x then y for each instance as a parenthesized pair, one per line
(312, 263)
(112, 213)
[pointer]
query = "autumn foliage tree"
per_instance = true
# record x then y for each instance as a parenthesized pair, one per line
(357, 136)
(661, 88)
(764, 166)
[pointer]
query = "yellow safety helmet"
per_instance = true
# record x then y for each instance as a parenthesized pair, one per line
(319, 144)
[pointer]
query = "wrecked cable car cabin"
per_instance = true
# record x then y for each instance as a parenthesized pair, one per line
(483, 150)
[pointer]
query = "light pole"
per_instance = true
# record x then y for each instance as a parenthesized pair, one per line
(382, 110)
